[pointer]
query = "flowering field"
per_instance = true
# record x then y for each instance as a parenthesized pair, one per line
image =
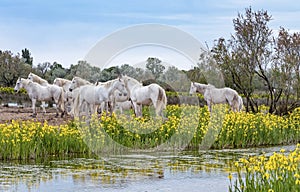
(279, 172)
(186, 127)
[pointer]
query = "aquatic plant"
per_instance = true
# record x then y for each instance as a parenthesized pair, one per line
(279, 172)
(30, 139)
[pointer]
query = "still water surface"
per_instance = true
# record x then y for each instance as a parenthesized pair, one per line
(165, 171)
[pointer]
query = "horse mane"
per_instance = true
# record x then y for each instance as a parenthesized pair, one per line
(211, 85)
(82, 80)
(25, 81)
(62, 81)
(107, 84)
(38, 79)
(132, 79)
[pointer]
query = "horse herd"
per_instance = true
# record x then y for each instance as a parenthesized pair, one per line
(77, 96)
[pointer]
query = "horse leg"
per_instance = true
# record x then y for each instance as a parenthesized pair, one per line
(111, 107)
(43, 106)
(135, 108)
(87, 109)
(33, 107)
(121, 109)
(57, 111)
(140, 110)
(209, 106)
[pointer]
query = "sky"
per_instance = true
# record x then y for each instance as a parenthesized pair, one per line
(66, 30)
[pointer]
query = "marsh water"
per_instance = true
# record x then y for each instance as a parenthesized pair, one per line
(135, 171)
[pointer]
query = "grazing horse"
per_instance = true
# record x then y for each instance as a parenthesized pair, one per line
(95, 95)
(145, 95)
(37, 92)
(213, 95)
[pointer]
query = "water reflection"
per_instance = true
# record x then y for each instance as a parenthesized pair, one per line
(130, 172)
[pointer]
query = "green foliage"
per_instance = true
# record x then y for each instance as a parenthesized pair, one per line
(10, 90)
(154, 65)
(27, 56)
(11, 68)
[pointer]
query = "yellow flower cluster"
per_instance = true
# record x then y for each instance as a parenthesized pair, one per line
(30, 139)
(279, 172)
(185, 126)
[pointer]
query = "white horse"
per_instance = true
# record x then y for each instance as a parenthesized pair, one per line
(95, 95)
(65, 84)
(35, 78)
(116, 97)
(37, 92)
(77, 82)
(145, 95)
(74, 91)
(213, 95)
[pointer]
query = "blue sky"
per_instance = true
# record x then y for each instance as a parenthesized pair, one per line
(64, 31)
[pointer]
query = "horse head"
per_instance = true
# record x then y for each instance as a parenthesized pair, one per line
(73, 84)
(193, 88)
(120, 85)
(19, 85)
(30, 76)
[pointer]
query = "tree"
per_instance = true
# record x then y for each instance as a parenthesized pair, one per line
(196, 75)
(82, 69)
(248, 54)
(177, 79)
(209, 70)
(43, 68)
(109, 73)
(154, 65)
(11, 68)
(238, 74)
(286, 69)
(27, 56)
(56, 70)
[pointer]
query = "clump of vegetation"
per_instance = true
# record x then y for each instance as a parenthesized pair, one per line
(186, 127)
(279, 172)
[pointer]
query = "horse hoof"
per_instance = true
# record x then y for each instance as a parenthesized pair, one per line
(33, 115)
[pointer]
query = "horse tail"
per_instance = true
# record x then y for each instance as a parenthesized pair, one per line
(161, 100)
(75, 105)
(62, 100)
(235, 103)
(240, 103)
